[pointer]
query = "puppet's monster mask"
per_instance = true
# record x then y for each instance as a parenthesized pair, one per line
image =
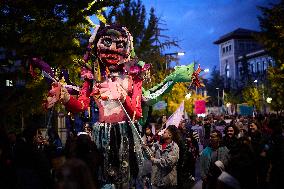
(113, 47)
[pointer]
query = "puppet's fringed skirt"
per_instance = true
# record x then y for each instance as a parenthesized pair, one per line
(121, 149)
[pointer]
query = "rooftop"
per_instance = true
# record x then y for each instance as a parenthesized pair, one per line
(239, 33)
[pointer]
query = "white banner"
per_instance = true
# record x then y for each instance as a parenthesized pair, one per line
(177, 116)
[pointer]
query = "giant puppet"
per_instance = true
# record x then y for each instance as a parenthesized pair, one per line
(114, 80)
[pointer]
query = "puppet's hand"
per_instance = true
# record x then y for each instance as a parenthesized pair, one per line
(64, 95)
(53, 95)
(86, 74)
(113, 91)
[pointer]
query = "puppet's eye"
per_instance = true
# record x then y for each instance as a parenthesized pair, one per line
(107, 42)
(121, 44)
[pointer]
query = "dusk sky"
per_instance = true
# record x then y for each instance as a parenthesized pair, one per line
(198, 23)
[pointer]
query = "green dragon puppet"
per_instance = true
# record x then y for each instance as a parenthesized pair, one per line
(154, 94)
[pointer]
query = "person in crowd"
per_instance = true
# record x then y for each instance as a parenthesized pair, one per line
(55, 143)
(221, 121)
(242, 164)
(159, 127)
(225, 180)
(277, 153)
(242, 131)
(83, 148)
(148, 139)
(198, 128)
(165, 159)
(54, 150)
(212, 153)
(32, 167)
(7, 156)
(148, 136)
(74, 174)
(260, 147)
(88, 129)
(230, 139)
(265, 129)
(239, 122)
(40, 141)
(187, 157)
(164, 121)
(207, 129)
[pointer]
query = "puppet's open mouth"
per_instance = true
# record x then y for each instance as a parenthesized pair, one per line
(111, 58)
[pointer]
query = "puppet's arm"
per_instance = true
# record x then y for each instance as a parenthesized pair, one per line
(132, 102)
(77, 105)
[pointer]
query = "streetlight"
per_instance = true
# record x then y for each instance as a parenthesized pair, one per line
(206, 70)
(268, 100)
(171, 54)
(218, 96)
(187, 96)
(180, 53)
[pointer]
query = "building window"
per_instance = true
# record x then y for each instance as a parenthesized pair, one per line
(230, 47)
(227, 70)
(239, 70)
(255, 67)
(9, 83)
(223, 50)
(264, 65)
(241, 46)
(248, 46)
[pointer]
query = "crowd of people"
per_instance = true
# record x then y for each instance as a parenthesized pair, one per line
(238, 152)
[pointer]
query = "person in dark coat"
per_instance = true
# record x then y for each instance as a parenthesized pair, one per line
(85, 149)
(260, 145)
(277, 154)
(242, 164)
(32, 167)
(186, 162)
(230, 139)
(74, 174)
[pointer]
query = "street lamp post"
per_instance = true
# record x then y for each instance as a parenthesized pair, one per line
(171, 54)
(218, 97)
(263, 98)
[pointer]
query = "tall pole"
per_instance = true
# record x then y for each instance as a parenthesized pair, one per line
(166, 63)
(218, 98)
(223, 97)
(171, 54)
(263, 99)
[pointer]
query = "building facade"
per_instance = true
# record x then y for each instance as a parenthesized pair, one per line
(242, 59)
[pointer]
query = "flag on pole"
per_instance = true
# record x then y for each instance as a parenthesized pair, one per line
(177, 116)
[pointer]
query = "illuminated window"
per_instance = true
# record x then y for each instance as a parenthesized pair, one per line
(9, 83)
(227, 70)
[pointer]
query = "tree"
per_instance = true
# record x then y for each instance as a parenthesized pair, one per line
(57, 31)
(246, 77)
(253, 96)
(215, 83)
(272, 38)
(176, 96)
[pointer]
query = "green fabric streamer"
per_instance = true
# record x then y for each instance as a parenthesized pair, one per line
(153, 95)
